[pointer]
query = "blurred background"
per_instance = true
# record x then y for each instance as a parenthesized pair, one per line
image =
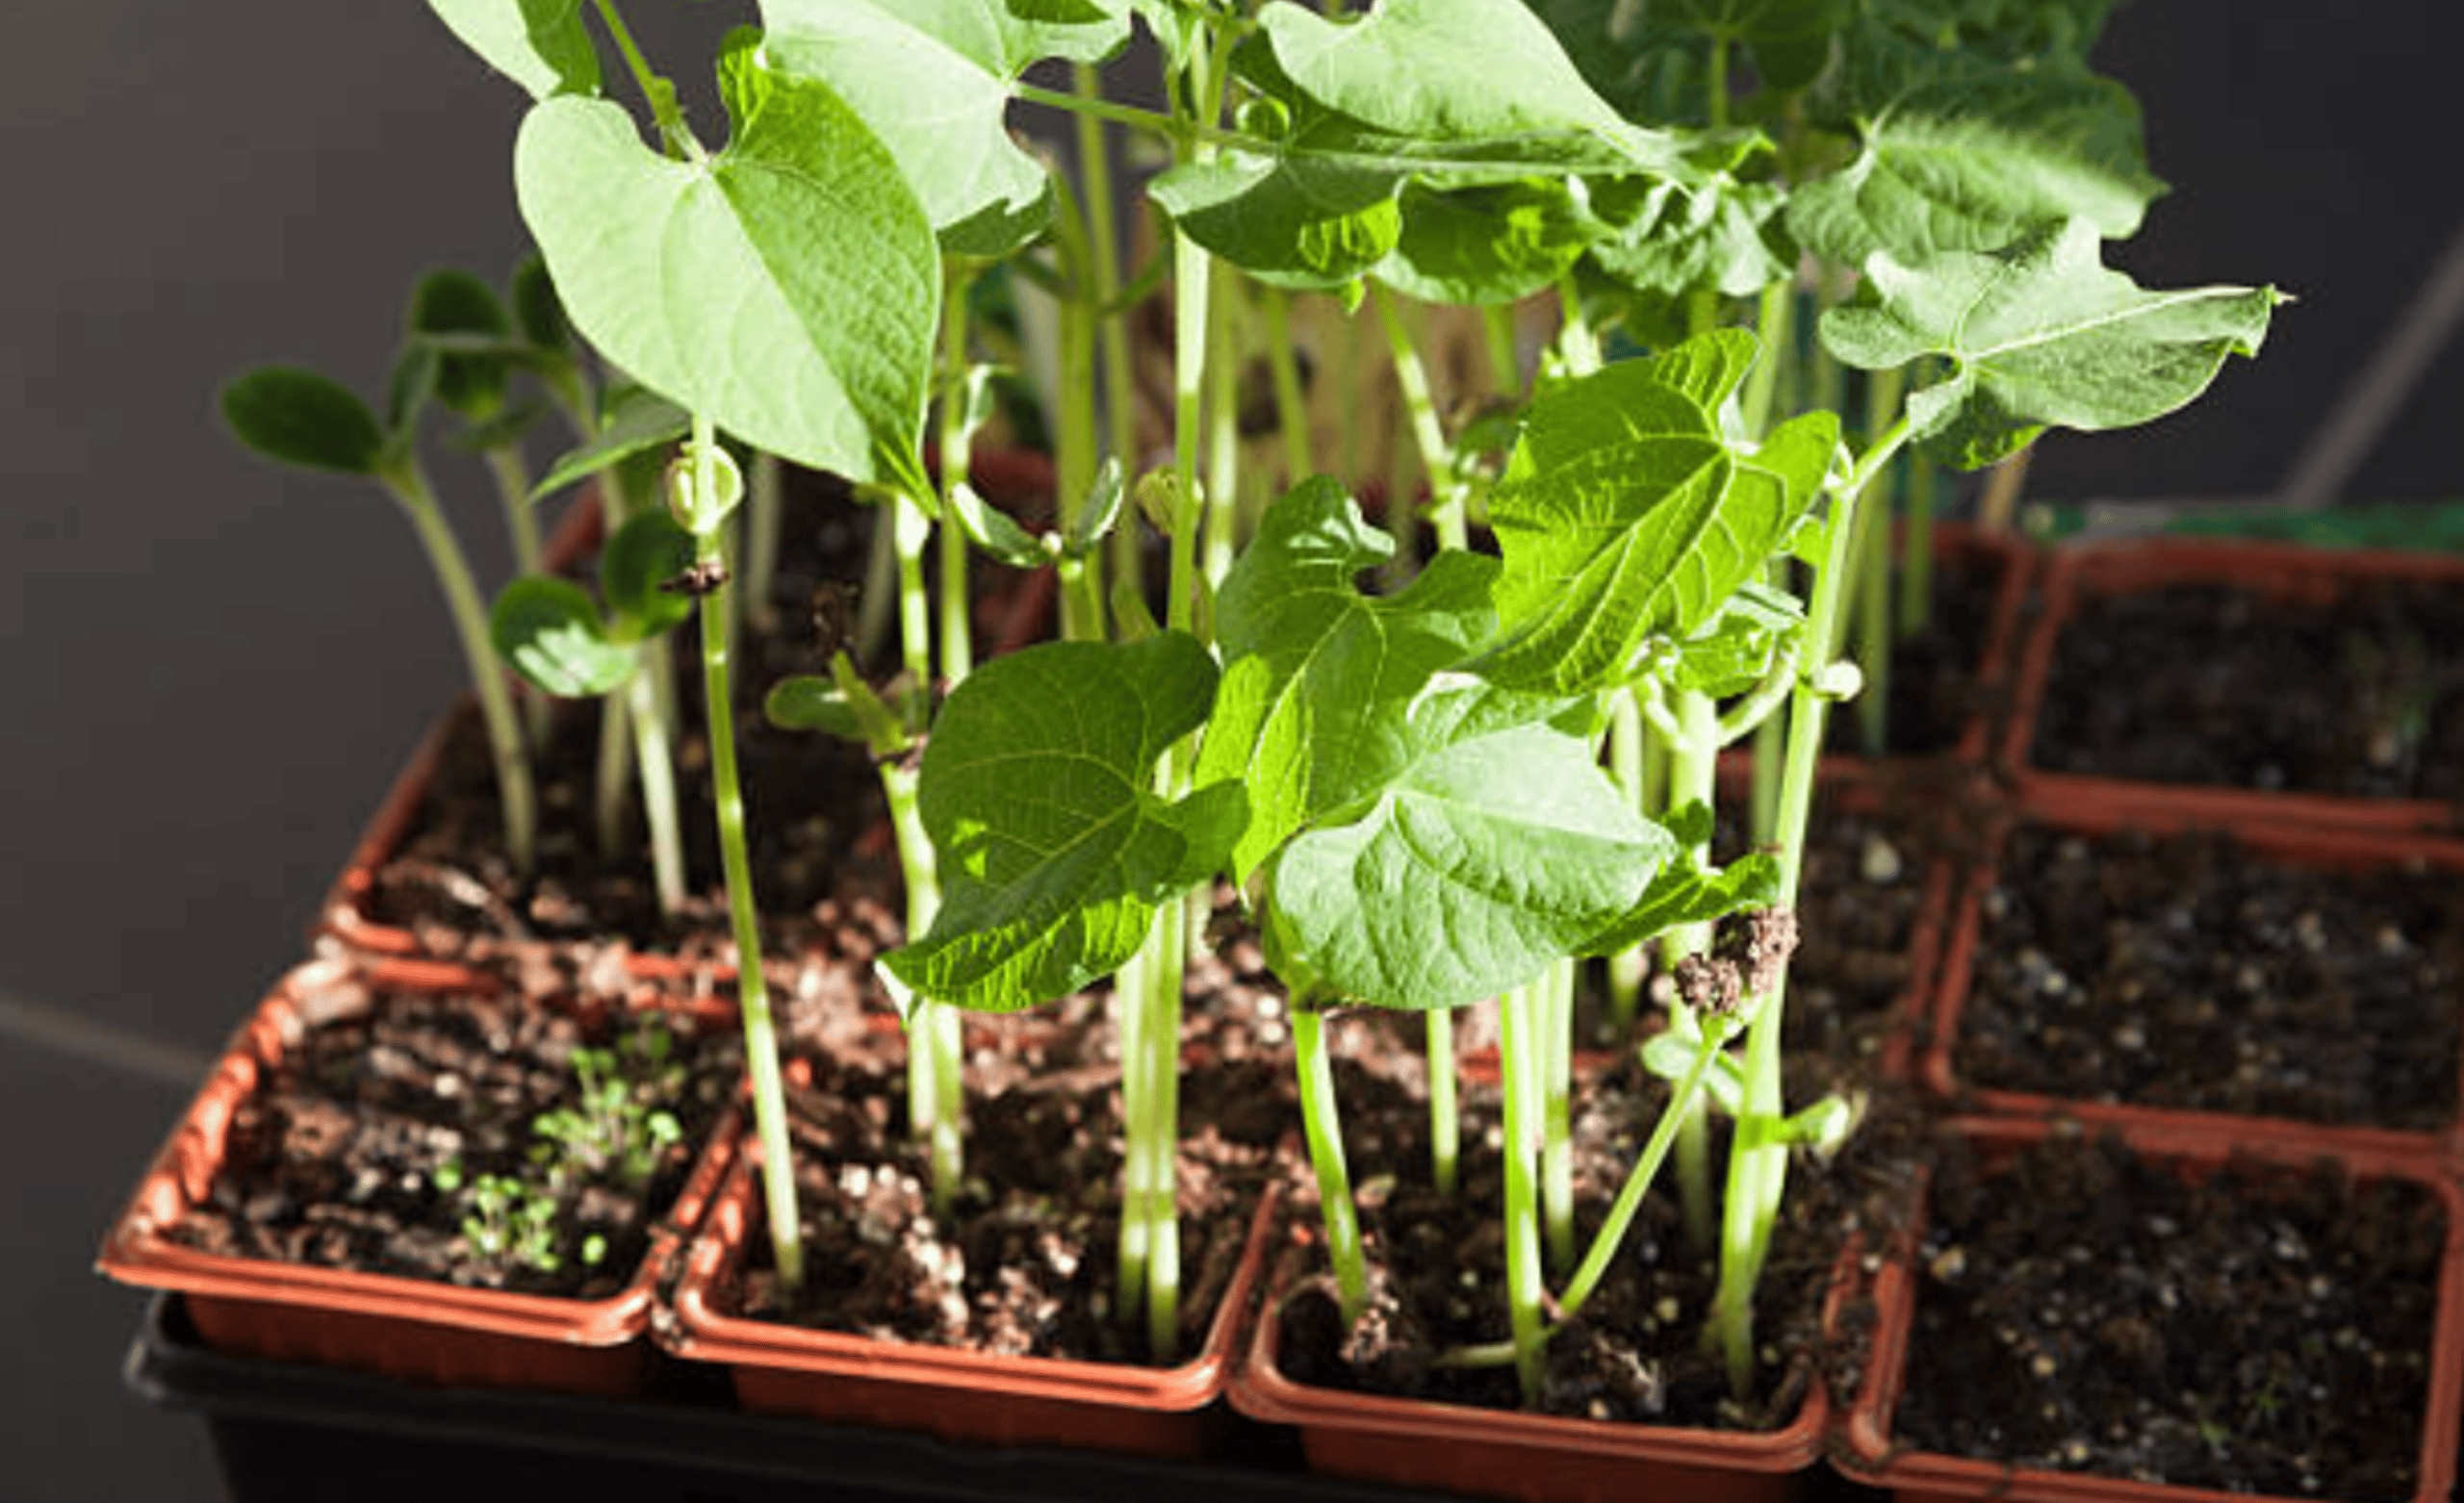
(214, 667)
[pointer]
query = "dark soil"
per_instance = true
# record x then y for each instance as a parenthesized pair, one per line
(2192, 971)
(2224, 685)
(335, 1161)
(1025, 1263)
(809, 798)
(1937, 685)
(1438, 1267)
(2264, 1331)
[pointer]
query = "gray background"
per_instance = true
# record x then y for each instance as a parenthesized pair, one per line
(215, 667)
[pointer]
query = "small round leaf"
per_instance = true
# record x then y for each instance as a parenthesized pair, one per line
(549, 632)
(456, 302)
(300, 417)
(645, 553)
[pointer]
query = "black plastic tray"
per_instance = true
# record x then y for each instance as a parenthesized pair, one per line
(283, 1432)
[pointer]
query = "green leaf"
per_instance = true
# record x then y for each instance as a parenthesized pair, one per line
(1966, 146)
(1450, 95)
(635, 420)
(1495, 849)
(932, 78)
(1628, 510)
(300, 417)
(1672, 1060)
(989, 528)
(1679, 895)
(1740, 646)
(2041, 334)
(1319, 676)
(1054, 848)
(809, 701)
(1096, 516)
(1491, 243)
(549, 631)
(449, 301)
(1455, 70)
(540, 44)
(1713, 236)
(646, 552)
(788, 288)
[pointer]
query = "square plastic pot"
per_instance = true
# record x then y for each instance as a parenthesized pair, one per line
(2069, 807)
(1879, 1456)
(412, 1330)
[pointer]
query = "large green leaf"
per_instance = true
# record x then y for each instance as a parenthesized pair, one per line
(788, 287)
(1497, 848)
(2041, 334)
(540, 44)
(1055, 850)
(1489, 244)
(1317, 675)
(1449, 94)
(1965, 147)
(933, 80)
(1712, 237)
(1629, 509)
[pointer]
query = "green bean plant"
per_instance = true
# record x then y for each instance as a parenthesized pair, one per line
(1405, 785)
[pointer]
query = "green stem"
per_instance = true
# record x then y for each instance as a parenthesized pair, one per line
(1774, 319)
(1683, 1103)
(1872, 590)
(1322, 1124)
(1429, 433)
(656, 91)
(1757, 1163)
(1103, 265)
(1576, 346)
(1555, 1015)
(1445, 1116)
(935, 1095)
(1074, 440)
(958, 645)
(1916, 550)
(1694, 760)
(515, 793)
(753, 996)
(657, 772)
(1518, 1065)
(879, 602)
(762, 523)
(1626, 753)
(1291, 404)
(1222, 430)
(613, 783)
(1161, 1042)
(1505, 359)
(1134, 984)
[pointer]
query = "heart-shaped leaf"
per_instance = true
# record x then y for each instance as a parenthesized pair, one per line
(2041, 334)
(300, 417)
(1496, 847)
(787, 288)
(1629, 509)
(933, 77)
(1488, 244)
(1037, 789)
(540, 44)
(1311, 713)
(549, 631)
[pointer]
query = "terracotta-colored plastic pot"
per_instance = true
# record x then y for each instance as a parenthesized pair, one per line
(1880, 1457)
(2084, 812)
(1017, 618)
(2082, 573)
(409, 1330)
(957, 1394)
(1508, 1454)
